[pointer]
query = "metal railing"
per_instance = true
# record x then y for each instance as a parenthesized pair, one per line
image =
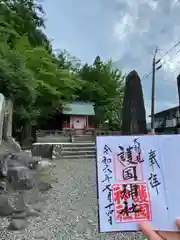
(174, 122)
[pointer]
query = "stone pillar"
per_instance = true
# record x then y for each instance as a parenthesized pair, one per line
(87, 122)
(9, 115)
(2, 112)
(7, 126)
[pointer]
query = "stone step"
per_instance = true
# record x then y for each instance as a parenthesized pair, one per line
(65, 143)
(56, 150)
(73, 147)
(75, 153)
(92, 156)
(62, 148)
(82, 148)
(53, 139)
(84, 144)
(78, 149)
(83, 139)
(83, 136)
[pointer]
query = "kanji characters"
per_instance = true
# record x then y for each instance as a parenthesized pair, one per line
(131, 202)
(129, 173)
(107, 171)
(152, 158)
(153, 178)
(107, 149)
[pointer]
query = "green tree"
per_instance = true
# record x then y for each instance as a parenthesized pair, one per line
(25, 17)
(39, 81)
(103, 85)
(54, 86)
(66, 61)
(30, 74)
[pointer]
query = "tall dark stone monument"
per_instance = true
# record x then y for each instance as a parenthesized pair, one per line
(133, 112)
(178, 86)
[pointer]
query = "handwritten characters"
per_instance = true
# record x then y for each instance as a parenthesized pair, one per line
(131, 183)
(107, 172)
(129, 173)
(130, 196)
(131, 202)
(153, 164)
(124, 190)
(128, 164)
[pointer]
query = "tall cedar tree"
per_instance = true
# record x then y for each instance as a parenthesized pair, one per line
(133, 112)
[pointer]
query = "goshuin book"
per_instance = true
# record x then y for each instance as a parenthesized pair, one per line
(138, 181)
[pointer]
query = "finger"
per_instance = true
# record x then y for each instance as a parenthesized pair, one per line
(148, 231)
(178, 223)
(168, 235)
(165, 235)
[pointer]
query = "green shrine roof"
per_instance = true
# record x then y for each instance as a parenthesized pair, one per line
(79, 108)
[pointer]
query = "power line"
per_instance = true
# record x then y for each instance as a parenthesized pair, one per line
(153, 91)
(145, 76)
(156, 67)
(149, 74)
(167, 60)
(171, 49)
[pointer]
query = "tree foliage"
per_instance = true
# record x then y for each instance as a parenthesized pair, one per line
(133, 112)
(40, 81)
(103, 85)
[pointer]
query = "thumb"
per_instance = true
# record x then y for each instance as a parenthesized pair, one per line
(149, 232)
(178, 223)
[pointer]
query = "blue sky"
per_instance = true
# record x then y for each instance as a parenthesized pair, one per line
(127, 32)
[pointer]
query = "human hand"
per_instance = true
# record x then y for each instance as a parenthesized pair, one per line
(160, 235)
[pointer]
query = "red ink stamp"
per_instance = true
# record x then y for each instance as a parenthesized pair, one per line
(128, 165)
(131, 202)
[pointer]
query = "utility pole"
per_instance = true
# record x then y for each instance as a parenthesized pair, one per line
(153, 92)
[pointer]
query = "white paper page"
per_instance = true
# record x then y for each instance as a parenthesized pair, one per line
(169, 146)
(111, 172)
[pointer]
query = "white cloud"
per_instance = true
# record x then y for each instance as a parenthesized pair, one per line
(171, 64)
(151, 23)
(152, 4)
(124, 27)
(125, 30)
(175, 3)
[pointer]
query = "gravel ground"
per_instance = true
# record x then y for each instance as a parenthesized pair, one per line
(70, 208)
